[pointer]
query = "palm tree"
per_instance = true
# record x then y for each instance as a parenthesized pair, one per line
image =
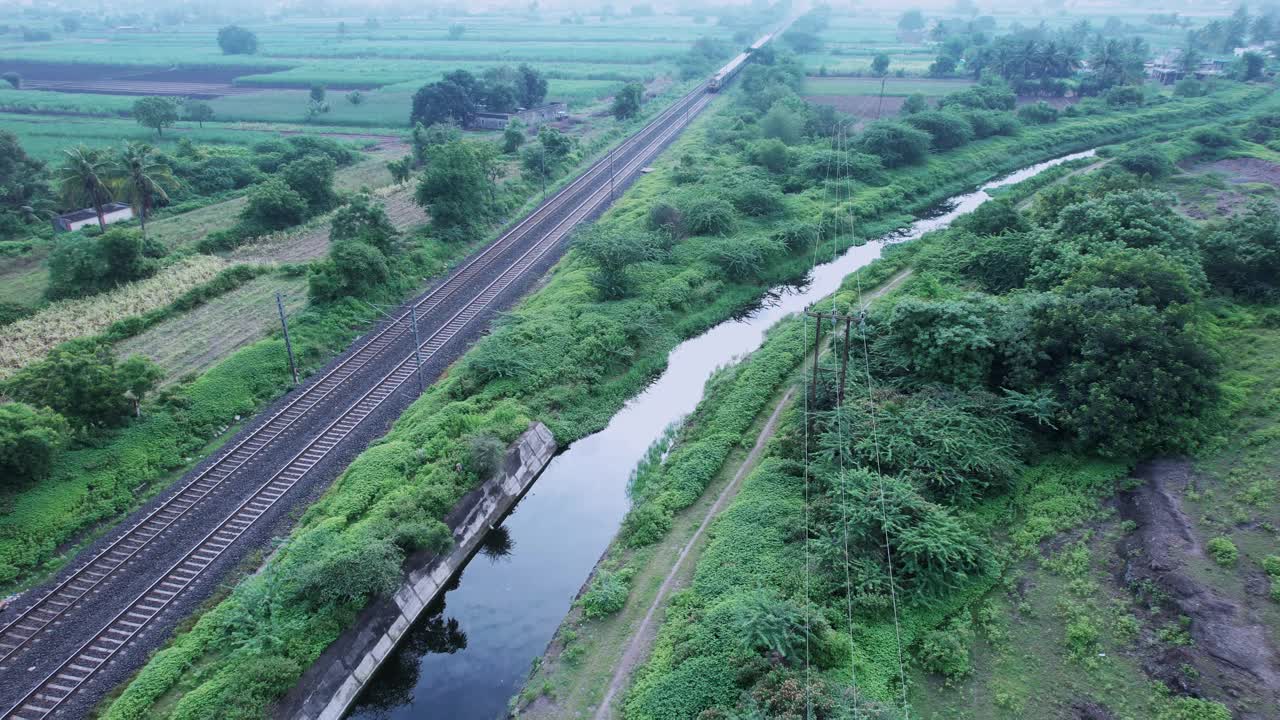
(141, 178)
(82, 180)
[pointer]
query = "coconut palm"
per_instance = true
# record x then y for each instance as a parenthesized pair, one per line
(83, 180)
(140, 178)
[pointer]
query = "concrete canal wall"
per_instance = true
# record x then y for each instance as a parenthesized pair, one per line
(332, 684)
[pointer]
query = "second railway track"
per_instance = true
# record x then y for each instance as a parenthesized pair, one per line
(529, 241)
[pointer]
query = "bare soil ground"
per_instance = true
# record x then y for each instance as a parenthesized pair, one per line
(1225, 187)
(1233, 652)
(199, 339)
(867, 107)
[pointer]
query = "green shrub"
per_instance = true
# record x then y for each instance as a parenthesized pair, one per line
(1213, 137)
(1194, 709)
(1223, 551)
(706, 214)
(1147, 160)
(1040, 113)
(945, 651)
(607, 593)
(1271, 566)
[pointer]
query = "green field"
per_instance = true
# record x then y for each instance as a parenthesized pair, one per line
(893, 87)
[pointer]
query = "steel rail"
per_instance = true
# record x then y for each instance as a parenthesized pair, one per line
(19, 632)
(63, 682)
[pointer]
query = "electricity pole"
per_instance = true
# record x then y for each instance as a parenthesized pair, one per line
(417, 343)
(835, 318)
(611, 174)
(288, 346)
(880, 105)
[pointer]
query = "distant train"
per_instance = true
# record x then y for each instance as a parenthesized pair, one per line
(726, 73)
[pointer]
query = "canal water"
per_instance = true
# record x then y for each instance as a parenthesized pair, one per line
(469, 654)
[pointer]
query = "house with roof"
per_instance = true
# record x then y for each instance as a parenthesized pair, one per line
(76, 219)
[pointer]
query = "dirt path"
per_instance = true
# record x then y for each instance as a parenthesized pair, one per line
(642, 640)
(1080, 171)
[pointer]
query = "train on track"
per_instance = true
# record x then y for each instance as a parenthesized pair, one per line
(726, 73)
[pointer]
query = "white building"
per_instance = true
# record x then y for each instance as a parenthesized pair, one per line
(112, 212)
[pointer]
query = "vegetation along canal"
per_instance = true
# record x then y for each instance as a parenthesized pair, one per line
(469, 657)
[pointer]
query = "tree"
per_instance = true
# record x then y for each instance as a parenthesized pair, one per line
(353, 268)
(363, 220)
(355, 97)
(311, 176)
(914, 103)
(81, 265)
(83, 179)
(400, 169)
(911, 21)
(626, 103)
(70, 24)
(23, 186)
(273, 205)
(456, 31)
(512, 136)
(612, 252)
(426, 139)
(13, 78)
(197, 111)
(316, 102)
(948, 129)
(943, 66)
(531, 86)
(455, 189)
(784, 121)
(235, 40)
(447, 100)
(85, 384)
(317, 93)
(1252, 66)
(880, 65)
(141, 179)
(157, 113)
(30, 439)
(895, 143)
(1242, 255)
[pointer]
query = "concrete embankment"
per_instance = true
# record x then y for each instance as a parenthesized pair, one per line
(332, 684)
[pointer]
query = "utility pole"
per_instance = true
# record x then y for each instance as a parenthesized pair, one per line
(417, 344)
(417, 347)
(817, 350)
(288, 346)
(611, 174)
(542, 160)
(883, 80)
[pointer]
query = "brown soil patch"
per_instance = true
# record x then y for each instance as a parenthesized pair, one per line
(1244, 170)
(1235, 660)
(861, 106)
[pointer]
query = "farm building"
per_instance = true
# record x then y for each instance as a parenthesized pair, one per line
(111, 212)
(528, 116)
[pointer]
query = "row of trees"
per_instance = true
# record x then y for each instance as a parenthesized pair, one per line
(134, 174)
(459, 95)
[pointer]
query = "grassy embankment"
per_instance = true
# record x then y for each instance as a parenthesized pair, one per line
(564, 357)
(1040, 629)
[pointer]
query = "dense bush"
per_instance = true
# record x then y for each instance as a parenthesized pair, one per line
(895, 143)
(1146, 161)
(353, 268)
(1213, 137)
(273, 205)
(84, 265)
(947, 129)
(708, 215)
(84, 382)
(1040, 113)
(29, 440)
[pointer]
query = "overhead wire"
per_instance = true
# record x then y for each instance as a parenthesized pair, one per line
(884, 523)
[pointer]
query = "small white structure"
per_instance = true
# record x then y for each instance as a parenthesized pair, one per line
(112, 213)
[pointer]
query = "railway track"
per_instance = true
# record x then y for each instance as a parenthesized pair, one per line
(530, 241)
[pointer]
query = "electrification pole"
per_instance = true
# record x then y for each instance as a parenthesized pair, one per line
(288, 346)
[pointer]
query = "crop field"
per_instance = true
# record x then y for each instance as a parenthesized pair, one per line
(197, 340)
(30, 339)
(893, 86)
